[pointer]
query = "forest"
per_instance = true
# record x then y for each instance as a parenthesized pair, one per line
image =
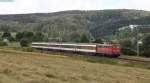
(96, 26)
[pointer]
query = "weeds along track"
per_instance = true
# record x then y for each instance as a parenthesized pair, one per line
(135, 61)
(98, 58)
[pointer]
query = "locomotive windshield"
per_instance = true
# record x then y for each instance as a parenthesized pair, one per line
(116, 46)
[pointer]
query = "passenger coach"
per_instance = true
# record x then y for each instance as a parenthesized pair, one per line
(111, 50)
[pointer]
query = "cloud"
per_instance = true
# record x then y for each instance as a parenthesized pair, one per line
(135, 4)
(19, 6)
(32, 6)
(59, 5)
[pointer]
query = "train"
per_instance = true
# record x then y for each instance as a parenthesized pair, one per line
(110, 50)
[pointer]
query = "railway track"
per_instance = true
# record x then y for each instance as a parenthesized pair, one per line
(135, 61)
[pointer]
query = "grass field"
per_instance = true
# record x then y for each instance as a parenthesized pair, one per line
(27, 67)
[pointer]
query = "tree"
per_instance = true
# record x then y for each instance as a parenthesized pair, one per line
(146, 42)
(38, 37)
(146, 46)
(75, 37)
(84, 39)
(127, 47)
(6, 35)
(26, 35)
(126, 43)
(98, 41)
(19, 36)
(24, 42)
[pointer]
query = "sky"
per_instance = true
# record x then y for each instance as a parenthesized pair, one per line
(47, 6)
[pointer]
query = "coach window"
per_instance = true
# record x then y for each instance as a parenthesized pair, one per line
(100, 46)
(68, 46)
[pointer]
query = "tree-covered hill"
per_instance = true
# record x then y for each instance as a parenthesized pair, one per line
(96, 23)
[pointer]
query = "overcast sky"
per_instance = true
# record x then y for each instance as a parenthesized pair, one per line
(39, 6)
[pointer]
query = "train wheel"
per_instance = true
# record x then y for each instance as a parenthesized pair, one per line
(115, 56)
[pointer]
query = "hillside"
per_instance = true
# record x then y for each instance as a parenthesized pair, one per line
(98, 23)
(25, 67)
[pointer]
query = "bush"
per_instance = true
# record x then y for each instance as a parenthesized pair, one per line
(125, 44)
(28, 49)
(3, 43)
(25, 43)
(146, 42)
(146, 53)
(128, 51)
(84, 39)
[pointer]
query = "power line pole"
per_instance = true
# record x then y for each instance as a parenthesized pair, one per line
(138, 42)
(137, 39)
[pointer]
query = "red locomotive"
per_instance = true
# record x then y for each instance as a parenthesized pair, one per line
(111, 50)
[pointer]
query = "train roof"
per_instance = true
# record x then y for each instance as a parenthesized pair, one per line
(81, 44)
